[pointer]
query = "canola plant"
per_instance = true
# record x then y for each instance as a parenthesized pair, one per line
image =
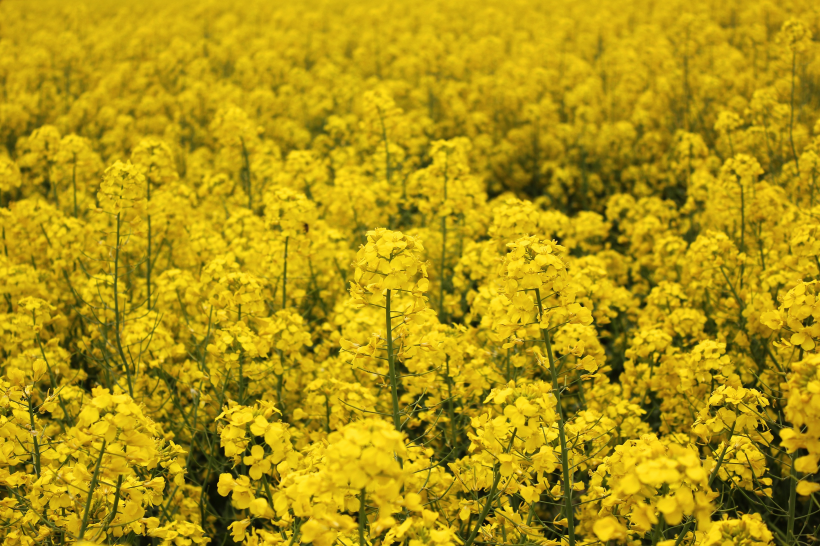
(412, 273)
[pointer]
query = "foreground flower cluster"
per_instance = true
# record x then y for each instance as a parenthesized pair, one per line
(431, 272)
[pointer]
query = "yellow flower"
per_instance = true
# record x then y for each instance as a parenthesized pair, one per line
(608, 528)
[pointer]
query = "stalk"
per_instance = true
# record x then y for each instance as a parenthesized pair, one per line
(280, 381)
(295, 534)
(117, 309)
(522, 535)
(53, 187)
(443, 250)
(712, 477)
(246, 173)
(792, 501)
(362, 515)
(507, 373)
(656, 532)
(742, 227)
(148, 264)
(791, 112)
(386, 149)
(394, 381)
(92, 486)
(562, 435)
(74, 184)
(113, 514)
(686, 87)
(285, 276)
(279, 377)
(327, 413)
(486, 510)
(34, 437)
(441, 274)
(451, 411)
(240, 383)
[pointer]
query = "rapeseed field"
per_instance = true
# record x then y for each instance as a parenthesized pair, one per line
(412, 273)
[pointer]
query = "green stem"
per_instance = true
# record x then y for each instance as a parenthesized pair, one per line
(386, 148)
(279, 377)
(246, 173)
(791, 113)
(266, 485)
(285, 276)
(362, 515)
(295, 534)
(113, 514)
(441, 274)
(148, 263)
(92, 486)
(522, 537)
(327, 413)
(486, 509)
(656, 532)
(792, 501)
(34, 437)
(54, 187)
(280, 381)
(117, 309)
(443, 247)
(712, 477)
(719, 462)
(507, 374)
(451, 407)
(742, 228)
(74, 184)
(562, 435)
(740, 305)
(240, 383)
(391, 361)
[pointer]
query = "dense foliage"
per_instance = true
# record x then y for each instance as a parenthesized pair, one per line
(431, 272)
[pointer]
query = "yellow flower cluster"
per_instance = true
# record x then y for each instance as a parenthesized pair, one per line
(647, 481)
(411, 273)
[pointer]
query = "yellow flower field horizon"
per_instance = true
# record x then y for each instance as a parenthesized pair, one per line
(433, 273)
